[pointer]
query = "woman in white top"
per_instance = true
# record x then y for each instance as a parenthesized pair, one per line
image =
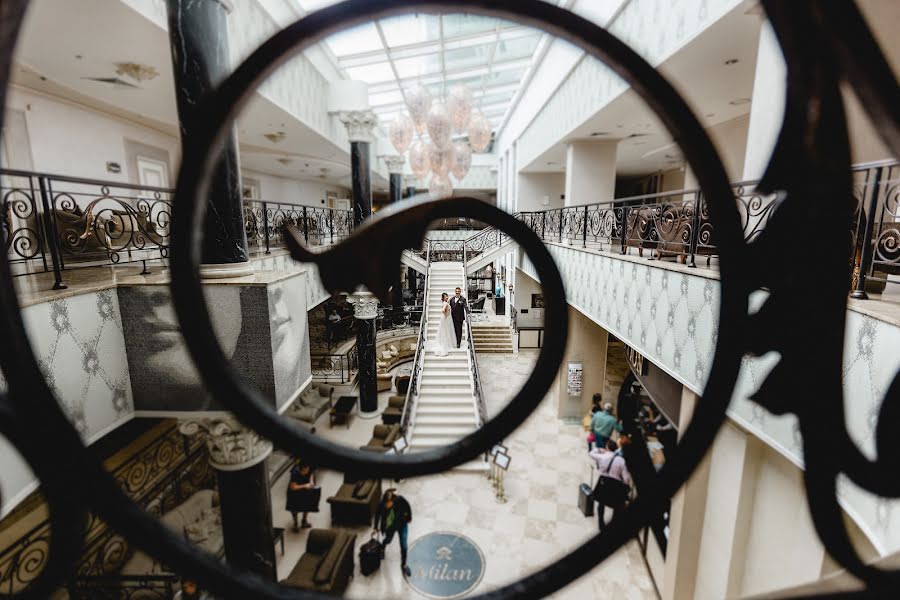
(446, 337)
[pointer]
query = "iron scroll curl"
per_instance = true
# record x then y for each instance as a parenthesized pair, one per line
(96, 489)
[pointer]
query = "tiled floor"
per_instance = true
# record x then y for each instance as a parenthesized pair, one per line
(539, 523)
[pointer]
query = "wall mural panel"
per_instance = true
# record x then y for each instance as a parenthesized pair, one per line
(671, 316)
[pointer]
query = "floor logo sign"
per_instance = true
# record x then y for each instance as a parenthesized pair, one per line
(445, 565)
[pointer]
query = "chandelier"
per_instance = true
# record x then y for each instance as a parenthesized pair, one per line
(427, 133)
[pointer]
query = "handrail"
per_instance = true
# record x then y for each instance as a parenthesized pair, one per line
(413, 388)
(476, 376)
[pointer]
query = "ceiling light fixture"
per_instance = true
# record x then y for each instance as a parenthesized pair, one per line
(731, 61)
(599, 133)
(136, 71)
(275, 137)
(739, 101)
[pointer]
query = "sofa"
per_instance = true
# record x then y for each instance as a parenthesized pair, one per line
(327, 565)
(198, 518)
(394, 410)
(383, 438)
(383, 381)
(312, 402)
(355, 502)
(393, 351)
(402, 384)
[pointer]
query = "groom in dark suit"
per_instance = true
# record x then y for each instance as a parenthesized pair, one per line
(458, 310)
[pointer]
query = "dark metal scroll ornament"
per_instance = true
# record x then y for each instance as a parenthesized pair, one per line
(814, 139)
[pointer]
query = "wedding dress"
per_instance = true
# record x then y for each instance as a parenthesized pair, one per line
(446, 336)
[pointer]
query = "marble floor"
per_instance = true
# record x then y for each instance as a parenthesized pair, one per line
(539, 523)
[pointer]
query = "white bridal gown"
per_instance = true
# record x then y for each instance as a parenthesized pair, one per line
(446, 336)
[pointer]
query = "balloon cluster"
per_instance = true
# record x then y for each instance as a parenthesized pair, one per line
(440, 155)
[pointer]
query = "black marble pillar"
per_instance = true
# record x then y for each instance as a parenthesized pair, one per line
(365, 347)
(410, 191)
(411, 280)
(396, 187)
(361, 186)
(246, 505)
(198, 34)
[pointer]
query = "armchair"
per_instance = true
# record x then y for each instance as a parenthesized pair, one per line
(327, 565)
(394, 411)
(356, 501)
(383, 438)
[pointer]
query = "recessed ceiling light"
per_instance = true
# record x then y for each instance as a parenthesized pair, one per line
(285, 161)
(599, 133)
(78, 57)
(739, 101)
(275, 137)
(731, 61)
(710, 114)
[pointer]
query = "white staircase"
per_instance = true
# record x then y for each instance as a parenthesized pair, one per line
(492, 338)
(445, 409)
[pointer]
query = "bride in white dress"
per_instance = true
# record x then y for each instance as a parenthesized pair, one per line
(446, 337)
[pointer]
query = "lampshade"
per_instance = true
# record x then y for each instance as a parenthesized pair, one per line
(440, 187)
(459, 103)
(401, 132)
(479, 131)
(418, 100)
(462, 160)
(419, 161)
(439, 126)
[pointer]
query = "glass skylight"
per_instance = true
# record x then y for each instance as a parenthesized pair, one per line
(490, 56)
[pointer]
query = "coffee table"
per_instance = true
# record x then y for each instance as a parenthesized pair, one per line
(340, 412)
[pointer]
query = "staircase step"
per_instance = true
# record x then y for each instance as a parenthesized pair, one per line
(421, 431)
(420, 444)
(449, 411)
(466, 422)
(474, 466)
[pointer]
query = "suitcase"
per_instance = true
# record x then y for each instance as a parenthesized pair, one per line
(586, 500)
(370, 555)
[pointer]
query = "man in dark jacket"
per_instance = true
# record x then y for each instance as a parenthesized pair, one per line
(394, 516)
(458, 310)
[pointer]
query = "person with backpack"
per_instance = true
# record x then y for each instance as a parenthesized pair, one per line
(614, 483)
(393, 517)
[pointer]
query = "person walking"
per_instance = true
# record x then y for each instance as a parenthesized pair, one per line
(458, 309)
(614, 482)
(393, 517)
(300, 494)
(602, 424)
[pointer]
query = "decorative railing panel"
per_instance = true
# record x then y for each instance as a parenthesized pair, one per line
(335, 367)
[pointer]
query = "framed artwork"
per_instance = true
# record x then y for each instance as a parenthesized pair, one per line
(498, 449)
(537, 301)
(400, 445)
(502, 460)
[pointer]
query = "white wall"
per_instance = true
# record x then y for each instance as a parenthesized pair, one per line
(524, 287)
(310, 192)
(71, 139)
(534, 186)
(730, 140)
(590, 172)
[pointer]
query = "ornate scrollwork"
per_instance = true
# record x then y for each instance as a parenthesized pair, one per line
(810, 165)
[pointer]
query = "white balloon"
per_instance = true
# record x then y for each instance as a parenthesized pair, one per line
(459, 103)
(479, 131)
(419, 160)
(440, 129)
(462, 160)
(442, 161)
(401, 133)
(418, 99)
(440, 187)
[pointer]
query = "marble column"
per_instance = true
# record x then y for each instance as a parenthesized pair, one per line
(360, 125)
(365, 309)
(395, 170)
(239, 456)
(198, 35)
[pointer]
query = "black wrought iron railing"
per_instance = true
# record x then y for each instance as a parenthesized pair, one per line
(476, 376)
(51, 223)
(265, 223)
(877, 191)
(446, 250)
(125, 587)
(413, 389)
(456, 223)
(336, 368)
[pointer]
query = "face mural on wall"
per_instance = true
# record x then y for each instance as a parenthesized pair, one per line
(290, 337)
(163, 376)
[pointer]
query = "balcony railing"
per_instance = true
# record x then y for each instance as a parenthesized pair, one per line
(336, 368)
(52, 223)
